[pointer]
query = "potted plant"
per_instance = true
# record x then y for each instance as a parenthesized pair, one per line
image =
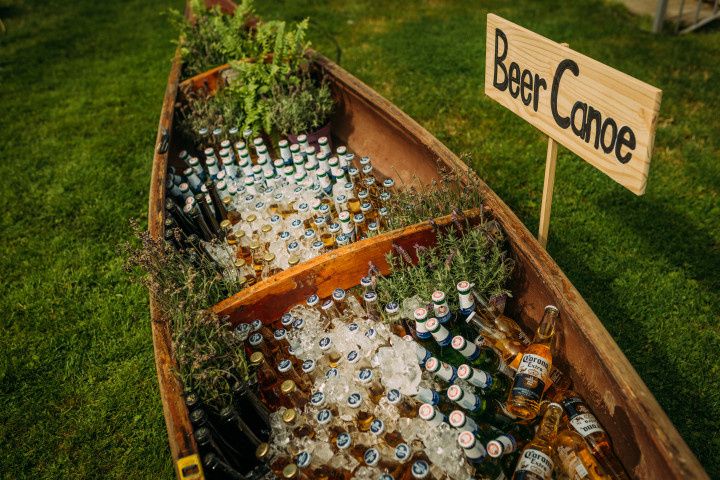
(304, 108)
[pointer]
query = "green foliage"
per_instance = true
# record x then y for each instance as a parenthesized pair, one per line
(253, 82)
(306, 107)
(186, 284)
(214, 38)
(462, 253)
(454, 191)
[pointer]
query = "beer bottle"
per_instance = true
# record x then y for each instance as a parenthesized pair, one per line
(291, 395)
(363, 411)
(423, 355)
(510, 441)
(276, 462)
(442, 310)
(441, 370)
(266, 376)
(373, 457)
(459, 420)
(258, 344)
(442, 338)
(393, 318)
(371, 305)
(584, 422)
(431, 415)
(391, 439)
(536, 458)
(206, 444)
(287, 371)
(237, 428)
(372, 385)
(481, 357)
(422, 335)
(532, 373)
(220, 445)
(405, 405)
(216, 469)
(492, 385)
(575, 460)
(255, 413)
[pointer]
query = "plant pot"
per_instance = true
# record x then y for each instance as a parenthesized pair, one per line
(314, 136)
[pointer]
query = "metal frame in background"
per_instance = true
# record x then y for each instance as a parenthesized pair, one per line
(697, 22)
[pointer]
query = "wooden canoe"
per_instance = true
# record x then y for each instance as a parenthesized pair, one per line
(645, 440)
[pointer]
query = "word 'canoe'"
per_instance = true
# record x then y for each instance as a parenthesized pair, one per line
(645, 440)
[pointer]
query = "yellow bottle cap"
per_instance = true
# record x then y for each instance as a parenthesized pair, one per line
(293, 260)
(262, 451)
(289, 415)
(257, 358)
(240, 262)
(290, 471)
(251, 218)
(288, 386)
(269, 257)
(266, 228)
(226, 225)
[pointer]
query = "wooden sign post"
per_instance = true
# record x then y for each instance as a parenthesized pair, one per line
(606, 117)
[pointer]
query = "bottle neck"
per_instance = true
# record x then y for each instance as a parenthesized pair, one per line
(548, 427)
(546, 329)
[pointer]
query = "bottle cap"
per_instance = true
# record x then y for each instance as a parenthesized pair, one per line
(331, 373)
(457, 418)
(371, 333)
(455, 393)
(343, 441)
(299, 323)
(495, 448)
(420, 469)
(289, 415)
(288, 386)
(466, 439)
(290, 471)
(255, 340)
(388, 183)
(366, 281)
(262, 450)
(377, 427)
(353, 327)
(464, 371)
(432, 365)
(458, 342)
(426, 411)
(353, 356)
(308, 365)
(327, 304)
(371, 457)
(293, 259)
(303, 459)
(269, 257)
(386, 476)
(365, 375)
(280, 333)
(256, 324)
(394, 396)
(438, 296)
(402, 452)
(239, 263)
(463, 286)
(420, 314)
(358, 218)
(338, 294)
(287, 319)
(392, 308)
(317, 399)
(324, 416)
(432, 325)
(370, 296)
(354, 400)
(284, 365)
(325, 343)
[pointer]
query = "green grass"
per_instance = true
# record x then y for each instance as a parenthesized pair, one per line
(82, 84)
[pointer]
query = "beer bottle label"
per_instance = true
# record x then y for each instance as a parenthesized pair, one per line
(581, 419)
(572, 464)
(531, 376)
(533, 465)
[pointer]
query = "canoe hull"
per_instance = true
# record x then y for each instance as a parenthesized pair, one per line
(644, 438)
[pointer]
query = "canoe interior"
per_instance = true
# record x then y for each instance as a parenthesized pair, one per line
(644, 438)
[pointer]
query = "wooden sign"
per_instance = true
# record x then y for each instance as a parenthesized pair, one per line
(606, 117)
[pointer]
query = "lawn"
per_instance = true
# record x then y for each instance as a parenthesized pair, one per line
(82, 85)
